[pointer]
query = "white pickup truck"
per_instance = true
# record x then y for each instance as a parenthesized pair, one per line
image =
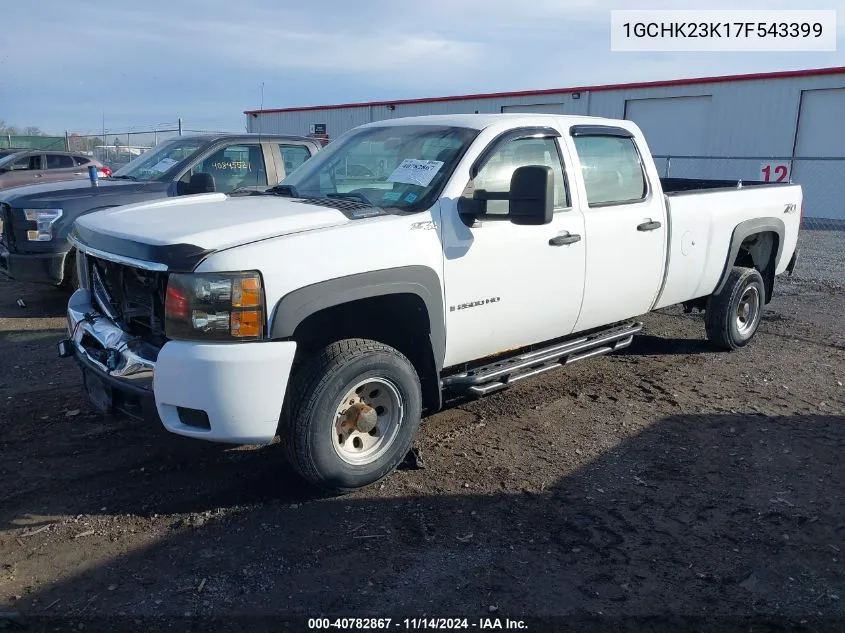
(409, 259)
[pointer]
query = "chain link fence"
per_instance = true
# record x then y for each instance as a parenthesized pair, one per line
(112, 148)
(822, 179)
(23, 141)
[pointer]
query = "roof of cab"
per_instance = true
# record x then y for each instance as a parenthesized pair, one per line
(482, 121)
(247, 136)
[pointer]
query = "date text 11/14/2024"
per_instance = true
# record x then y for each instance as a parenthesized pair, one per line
(415, 624)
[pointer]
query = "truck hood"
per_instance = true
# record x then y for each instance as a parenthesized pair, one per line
(55, 194)
(179, 232)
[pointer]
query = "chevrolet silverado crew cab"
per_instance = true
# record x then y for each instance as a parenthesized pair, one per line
(410, 259)
(35, 219)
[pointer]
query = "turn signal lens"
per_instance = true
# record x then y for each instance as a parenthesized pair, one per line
(246, 323)
(246, 292)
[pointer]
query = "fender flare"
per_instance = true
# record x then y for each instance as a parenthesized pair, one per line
(422, 281)
(744, 230)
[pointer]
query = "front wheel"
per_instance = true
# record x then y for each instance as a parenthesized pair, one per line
(352, 415)
(733, 315)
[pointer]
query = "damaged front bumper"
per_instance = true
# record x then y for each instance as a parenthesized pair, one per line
(118, 370)
(222, 392)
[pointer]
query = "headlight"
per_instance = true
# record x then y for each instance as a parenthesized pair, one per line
(44, 219)
(214, 306)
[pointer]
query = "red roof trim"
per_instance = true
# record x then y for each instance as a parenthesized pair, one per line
(812, 72)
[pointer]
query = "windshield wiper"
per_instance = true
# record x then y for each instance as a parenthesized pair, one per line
(351, 196)
(283, 190)
(124, 177)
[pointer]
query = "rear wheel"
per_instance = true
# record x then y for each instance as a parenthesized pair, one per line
(352, 415)
(733, 315)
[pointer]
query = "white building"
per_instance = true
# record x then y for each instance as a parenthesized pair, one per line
(772, 126)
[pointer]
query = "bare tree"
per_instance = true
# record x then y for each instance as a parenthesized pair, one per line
(8, 129)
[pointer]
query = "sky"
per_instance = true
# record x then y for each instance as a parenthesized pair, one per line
(72, 65)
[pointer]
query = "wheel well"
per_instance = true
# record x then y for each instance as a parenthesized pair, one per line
(759, 251)
(398, 320)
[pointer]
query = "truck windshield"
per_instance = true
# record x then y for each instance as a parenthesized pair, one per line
(398, 166)
(152, 165)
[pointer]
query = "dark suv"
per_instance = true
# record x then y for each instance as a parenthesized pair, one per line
(35, 219)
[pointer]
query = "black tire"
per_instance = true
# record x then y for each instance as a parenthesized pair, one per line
(726, 328)
(318, 387)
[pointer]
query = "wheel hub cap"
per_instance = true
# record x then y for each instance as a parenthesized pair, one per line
(748, 310)
(367, 421)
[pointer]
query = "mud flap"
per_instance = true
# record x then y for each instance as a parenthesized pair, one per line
(791, 266)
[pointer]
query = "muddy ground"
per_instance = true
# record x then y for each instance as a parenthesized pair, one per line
(629, 492)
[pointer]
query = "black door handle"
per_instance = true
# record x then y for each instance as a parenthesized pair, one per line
(649, 226)
(560, 240)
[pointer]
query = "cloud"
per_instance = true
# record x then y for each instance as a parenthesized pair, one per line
(206, 61)
(373, 51)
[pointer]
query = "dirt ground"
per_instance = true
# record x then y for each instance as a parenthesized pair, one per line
(666, 487)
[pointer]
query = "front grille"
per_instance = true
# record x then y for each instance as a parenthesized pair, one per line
(133, 298)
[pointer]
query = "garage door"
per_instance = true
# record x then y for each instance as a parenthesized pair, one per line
(820, 153)
(673, 126)
(543, 108)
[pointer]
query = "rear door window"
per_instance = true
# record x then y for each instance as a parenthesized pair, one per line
(293, 156)
(612, 170)
(59, 161)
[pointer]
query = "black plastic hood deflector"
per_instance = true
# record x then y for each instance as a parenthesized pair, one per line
(177, 257)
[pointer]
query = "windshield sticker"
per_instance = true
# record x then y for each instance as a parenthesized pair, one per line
(411, 197)
(163, 165)
(391, 196)
(416, 172)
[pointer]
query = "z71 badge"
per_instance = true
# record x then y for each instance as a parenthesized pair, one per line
(474, 304)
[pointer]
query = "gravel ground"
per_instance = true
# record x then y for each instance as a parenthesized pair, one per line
(664, 488)
(822, 257)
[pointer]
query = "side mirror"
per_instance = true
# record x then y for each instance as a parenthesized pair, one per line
(532, 195)
(201, 183)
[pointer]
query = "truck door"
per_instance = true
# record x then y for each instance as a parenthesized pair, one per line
(509, 285)
(624, 223)
(234, 165)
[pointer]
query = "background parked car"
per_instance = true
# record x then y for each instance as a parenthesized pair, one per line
(33, 166)
(35, 219)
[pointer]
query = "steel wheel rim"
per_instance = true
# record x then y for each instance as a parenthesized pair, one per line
(748, 310)
(355, 447)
